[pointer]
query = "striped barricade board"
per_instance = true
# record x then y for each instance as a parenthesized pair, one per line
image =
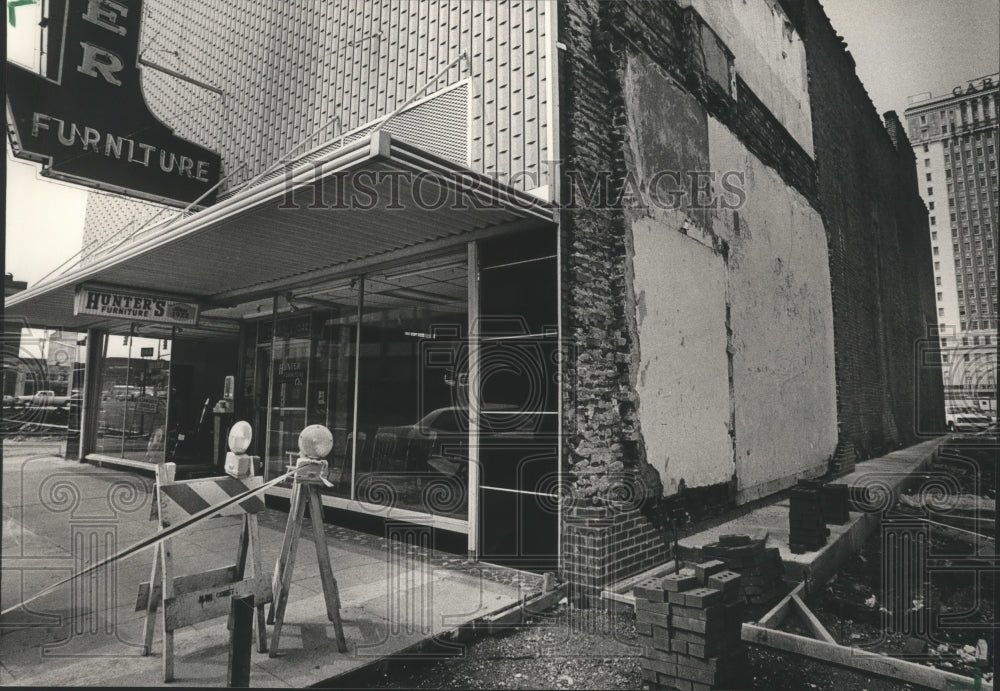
(189, 599)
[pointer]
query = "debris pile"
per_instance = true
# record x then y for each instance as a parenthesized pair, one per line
(689, 625)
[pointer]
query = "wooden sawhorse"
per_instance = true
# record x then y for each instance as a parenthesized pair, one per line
(304, 490)
(186, 600)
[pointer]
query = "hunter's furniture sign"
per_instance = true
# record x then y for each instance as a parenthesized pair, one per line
(86, 120)
(122, 303)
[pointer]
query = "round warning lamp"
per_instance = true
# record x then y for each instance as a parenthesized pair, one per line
(240, 436)
(315, 441)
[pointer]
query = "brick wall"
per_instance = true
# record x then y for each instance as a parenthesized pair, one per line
(879, 245)
(863, 184)
(600, 423)
(605, 544)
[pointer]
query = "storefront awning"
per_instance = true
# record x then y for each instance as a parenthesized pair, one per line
(371, 203)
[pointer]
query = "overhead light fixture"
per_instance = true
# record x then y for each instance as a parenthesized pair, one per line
(418, 295)
(458, 264)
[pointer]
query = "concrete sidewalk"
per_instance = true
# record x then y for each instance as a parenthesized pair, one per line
(887, 474)
(87, 633)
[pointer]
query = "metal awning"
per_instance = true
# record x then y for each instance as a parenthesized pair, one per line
(369, 204)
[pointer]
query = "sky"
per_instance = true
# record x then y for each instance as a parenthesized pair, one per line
(901, 47)
(906, 47)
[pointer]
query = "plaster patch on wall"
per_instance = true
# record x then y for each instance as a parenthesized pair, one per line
(770, 57)
(782, 322)
(683, 388)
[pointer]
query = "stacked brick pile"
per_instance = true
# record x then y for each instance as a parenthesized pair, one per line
(836, 500)
(689, 625)
(806, 525)
(759, 566)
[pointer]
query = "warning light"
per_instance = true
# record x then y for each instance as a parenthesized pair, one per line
(315, 441)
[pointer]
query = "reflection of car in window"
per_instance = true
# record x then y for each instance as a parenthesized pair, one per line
(440, 439)
(970, 423)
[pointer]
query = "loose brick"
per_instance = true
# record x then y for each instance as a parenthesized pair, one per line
(726, 581)
(657, 654)
(716, 611)
(702, 597)
(706, 626)
(643, 616)
(660, 666)
(707, 568)
(676, 582)
(650, 589)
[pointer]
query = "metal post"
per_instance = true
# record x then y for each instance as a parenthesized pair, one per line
(240, 641)
(270, 386)
(357, 370)
(170, 394)
(473, 375)
(96, 343)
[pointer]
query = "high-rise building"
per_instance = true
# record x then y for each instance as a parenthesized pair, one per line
(954, 139)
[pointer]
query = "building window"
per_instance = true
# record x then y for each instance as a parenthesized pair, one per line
(930, 191)
(927, 161)
(933, 235)
(940, 311)
(937, 266)
(940, 297)
(932, 220)
(961, 294)
(944, 342)
(935, 251)
(926, 148)
(931, 206)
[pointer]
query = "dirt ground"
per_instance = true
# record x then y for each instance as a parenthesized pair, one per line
(574, 649)
(868, 605)
(579, 649)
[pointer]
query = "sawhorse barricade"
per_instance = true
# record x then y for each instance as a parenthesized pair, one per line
(189, 599)
(307, 481)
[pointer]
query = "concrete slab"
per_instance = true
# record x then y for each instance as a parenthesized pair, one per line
(886, 476)
(90, 635)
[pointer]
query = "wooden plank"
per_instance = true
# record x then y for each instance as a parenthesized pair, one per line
(780, 610)
(202, 605)
(624, 598)
(514, 614)
(545, 601)
(857, 659)
(187, 584)
(814, 624)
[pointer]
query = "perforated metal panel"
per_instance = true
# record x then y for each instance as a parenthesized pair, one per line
(301, 73)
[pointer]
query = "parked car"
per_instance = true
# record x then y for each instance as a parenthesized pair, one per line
(41, 399)
(969, 423)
